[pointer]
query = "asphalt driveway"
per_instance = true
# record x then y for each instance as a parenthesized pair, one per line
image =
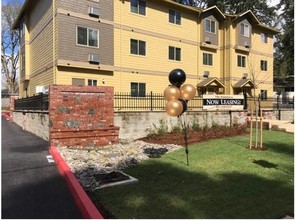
(32, 187)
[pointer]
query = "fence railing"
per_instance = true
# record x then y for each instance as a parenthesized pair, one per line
(37, 103)
(150, 102)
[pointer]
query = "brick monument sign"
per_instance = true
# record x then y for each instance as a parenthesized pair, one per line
(82, 116)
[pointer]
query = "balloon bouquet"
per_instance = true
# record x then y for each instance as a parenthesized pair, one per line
(177, 95)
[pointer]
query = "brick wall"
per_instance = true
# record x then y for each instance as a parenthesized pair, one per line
(81, 116)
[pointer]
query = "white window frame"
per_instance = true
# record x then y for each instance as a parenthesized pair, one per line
(263, 65)
(175, 49)
(241, 61)
(175, 13)
(138, 47)
(88, 29)
(243, 29)
(23, 61)
(22, 28)
(264, 37)
(138, 93)
(210, 26)
(138, 7)
(91, 82)
(207, 59)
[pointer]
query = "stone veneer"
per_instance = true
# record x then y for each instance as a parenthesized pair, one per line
(81, 116)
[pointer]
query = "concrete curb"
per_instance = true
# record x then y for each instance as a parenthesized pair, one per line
(85, 205)
(6, 116)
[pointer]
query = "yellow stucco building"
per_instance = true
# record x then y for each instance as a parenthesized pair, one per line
(132, 45)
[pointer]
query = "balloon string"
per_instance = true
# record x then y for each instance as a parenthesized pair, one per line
(184, 125)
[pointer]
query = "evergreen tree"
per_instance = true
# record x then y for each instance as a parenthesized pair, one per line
(284, 56)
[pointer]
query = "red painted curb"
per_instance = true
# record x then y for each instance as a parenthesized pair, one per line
(85, 205)
(8, 117)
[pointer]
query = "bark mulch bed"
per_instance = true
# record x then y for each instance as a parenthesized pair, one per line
(197, 136)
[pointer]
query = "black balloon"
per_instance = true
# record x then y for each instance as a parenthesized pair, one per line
(177, 77)
(184, 105)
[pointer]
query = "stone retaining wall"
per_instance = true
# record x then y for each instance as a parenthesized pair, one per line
(34, 122)
(134, 125)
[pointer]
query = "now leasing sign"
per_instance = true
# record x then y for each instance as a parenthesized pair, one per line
(223, 102)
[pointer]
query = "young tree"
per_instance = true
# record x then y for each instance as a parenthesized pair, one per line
(9, 45)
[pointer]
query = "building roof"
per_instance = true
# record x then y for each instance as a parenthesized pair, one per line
(211, 81)
(244, 83)
(199, 11)
(217, 11)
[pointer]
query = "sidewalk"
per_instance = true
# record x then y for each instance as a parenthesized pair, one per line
(32, 187)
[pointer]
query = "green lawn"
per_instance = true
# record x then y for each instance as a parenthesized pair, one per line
(224, 180)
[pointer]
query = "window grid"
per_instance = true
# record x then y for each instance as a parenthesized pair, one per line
(87, 37)
(263, 37)
(138, 7)
(138, 89)
(263, 65)
(245, 30)
(241, 61)
(174, 53)
(174, 17)
(137, 47)
(208, 59)
(92, 82)
(210, 26)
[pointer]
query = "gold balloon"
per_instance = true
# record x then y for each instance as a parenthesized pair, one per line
(187, 92)
(171, 93)
(174, 108)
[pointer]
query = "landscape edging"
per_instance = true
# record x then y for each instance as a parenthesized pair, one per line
(85, 205)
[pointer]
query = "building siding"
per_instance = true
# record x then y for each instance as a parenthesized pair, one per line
(53, 56)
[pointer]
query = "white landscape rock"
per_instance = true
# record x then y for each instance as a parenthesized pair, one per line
(86, 162)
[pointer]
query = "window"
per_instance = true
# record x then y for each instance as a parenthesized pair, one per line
(137, 47)
(174, 53)
(263, 65)
(208, 59)
(264, 37)
(174, 17)
(241, 61)
(22, 28)
(210, 26)
(137, 89)
(78, 82)
(87, 37)
(23, 61)
(138, 6)
(245, 30)
(92, 82)
(263, 94)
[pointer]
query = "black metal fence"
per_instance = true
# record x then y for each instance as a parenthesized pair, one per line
(150, 102)
(36, 103)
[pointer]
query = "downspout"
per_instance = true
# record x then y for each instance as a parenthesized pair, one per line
(224, 58)
(53, 42)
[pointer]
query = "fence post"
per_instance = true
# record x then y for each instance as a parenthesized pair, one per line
(151, 101)
(41, 96)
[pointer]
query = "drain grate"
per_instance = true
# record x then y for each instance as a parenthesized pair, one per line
(113, 178)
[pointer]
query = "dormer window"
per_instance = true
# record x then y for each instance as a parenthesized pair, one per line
(245, 30)
(210, 26)
(174, 17)
(22, 28)
(264, 37)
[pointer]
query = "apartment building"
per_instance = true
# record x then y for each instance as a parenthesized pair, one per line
(132, 45)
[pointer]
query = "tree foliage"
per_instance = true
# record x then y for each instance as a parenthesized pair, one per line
(9, 45)
(284, 55)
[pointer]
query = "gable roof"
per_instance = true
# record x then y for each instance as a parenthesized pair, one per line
(211, 81)
(216, 10)
(245, 83)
